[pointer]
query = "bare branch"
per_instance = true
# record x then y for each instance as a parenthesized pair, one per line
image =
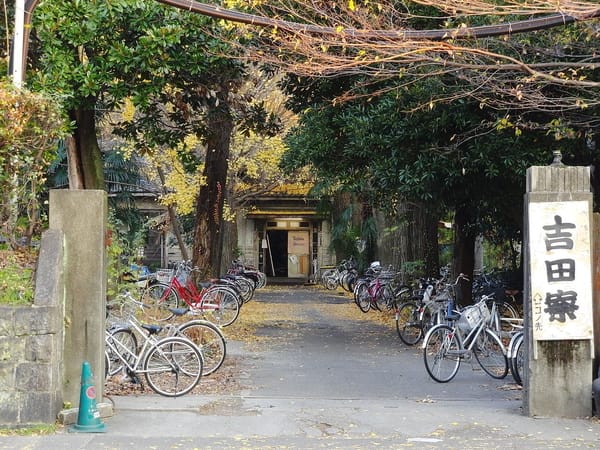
(380, 41)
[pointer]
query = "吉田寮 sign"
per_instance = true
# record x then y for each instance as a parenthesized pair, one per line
(561, 274)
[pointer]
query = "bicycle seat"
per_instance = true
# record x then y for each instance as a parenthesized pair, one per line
(454, 315)
(152, 329)
(179, 311)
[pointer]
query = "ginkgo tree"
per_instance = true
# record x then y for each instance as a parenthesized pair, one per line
(256, 153)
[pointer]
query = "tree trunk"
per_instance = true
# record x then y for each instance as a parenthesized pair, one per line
(411, 237)
(208, 237)
(427, 226)
(83, 152)
(230, 246)
(464, 252)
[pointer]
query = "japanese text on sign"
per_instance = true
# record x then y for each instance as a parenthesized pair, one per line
(560, 255)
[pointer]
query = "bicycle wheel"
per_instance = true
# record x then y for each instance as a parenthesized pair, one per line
(331, 283)
(507, 311)
(326, 276)
(363, 300)
(173, 367)
(106, 364)
(220, 306)
(408, 324)
(125, 348)
(441, 353)
(383, 297)
(246, 288)
(157, 300)
(517, 360)
(209, 339)
(490, 354)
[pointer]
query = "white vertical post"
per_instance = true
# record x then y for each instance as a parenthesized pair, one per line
(18, 43)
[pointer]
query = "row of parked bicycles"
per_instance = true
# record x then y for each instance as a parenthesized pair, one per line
(150, 334)
(488, 331)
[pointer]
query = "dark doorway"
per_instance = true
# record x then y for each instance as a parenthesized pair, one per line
(277, 253)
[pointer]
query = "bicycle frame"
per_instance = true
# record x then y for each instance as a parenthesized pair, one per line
(119, 349)
(468, 342)
(195, 299)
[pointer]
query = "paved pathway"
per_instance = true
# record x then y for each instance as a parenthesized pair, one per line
(329, 381)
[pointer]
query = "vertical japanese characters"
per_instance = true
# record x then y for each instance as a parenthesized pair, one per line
(560, 253)
(560, 305)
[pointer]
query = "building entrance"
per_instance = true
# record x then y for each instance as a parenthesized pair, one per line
(288, 253)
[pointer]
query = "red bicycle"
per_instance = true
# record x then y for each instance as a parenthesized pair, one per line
(379, 290)
(217, 303)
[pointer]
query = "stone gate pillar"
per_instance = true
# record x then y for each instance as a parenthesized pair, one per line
(82, 216)
(558, 291)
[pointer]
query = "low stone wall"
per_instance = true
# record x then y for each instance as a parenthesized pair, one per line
(31, 345)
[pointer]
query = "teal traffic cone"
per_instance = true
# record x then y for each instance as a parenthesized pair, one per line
(88, 417)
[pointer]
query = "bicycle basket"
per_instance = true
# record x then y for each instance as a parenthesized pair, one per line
(471, 315)
(164, 275)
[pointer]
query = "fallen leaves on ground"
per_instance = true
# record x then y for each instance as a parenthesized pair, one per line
(255, 316)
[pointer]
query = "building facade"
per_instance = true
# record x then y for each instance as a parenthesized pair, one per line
(281, 233)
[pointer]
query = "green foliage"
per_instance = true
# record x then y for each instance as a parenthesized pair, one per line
(444, 157)
(122, 255)
(99, 55)
(30, 125)
(344, 234)
(504, 254)
(16, 279)
(413, 270)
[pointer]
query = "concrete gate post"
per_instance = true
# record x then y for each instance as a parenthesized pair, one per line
(82, 216)
(558, 292)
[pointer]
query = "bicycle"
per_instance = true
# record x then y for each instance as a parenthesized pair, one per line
(445, 345)
(344, 275)
(413, 317)
(380, 290)
(429, 305)
(492, 284)
(516, 354)
(330, 278)
(217, 303)
(172, 365)
(258, 278)
(204, 334)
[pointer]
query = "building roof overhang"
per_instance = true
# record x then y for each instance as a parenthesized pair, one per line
(284, 213)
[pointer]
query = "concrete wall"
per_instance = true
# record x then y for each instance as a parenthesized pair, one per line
(31, 345)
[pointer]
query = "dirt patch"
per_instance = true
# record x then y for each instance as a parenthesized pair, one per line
(228, 379)
(227, 407)
(25, 259)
